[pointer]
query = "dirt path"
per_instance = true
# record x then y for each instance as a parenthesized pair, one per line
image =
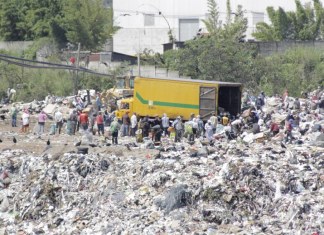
(63, 143)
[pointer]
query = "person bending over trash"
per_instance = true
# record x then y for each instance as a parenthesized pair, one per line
(274, 128)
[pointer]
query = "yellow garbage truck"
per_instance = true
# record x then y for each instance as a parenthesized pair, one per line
(181, 97)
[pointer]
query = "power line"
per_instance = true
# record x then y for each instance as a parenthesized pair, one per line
(33, 61)
(46, 65)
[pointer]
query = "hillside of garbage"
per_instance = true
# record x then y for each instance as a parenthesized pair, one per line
(250, 184)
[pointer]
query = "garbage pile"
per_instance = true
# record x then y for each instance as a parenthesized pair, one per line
(254, 183)
(51, 103)
(230, 188)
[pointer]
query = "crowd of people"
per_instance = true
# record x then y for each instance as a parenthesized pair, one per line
(103, 123)
(226, 125)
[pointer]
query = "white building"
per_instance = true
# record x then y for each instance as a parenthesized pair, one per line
(145, 23)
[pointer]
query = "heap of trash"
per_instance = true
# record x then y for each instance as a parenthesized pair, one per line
(230, 188)
(251, 184)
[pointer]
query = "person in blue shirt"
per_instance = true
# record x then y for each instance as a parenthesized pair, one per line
(98, 102)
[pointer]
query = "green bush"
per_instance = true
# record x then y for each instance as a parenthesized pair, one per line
(298, 70)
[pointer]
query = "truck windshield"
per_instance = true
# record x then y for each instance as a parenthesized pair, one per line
(124, 106)
(120, 84)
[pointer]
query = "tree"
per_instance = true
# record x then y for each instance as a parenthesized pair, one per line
(36, 83)
(231, 30)
(27, 19)
(221, 55)
(280, 29)
(306, 23)
(298, 69)
(11, 19)
(39, 15)
(319, 14)
(265, 32)
(306, 28)
(188, 58)
(87, 22)
(78, 21)
(235, 30)
(212, 23)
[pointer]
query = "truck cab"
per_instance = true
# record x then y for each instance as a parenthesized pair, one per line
(125, 105)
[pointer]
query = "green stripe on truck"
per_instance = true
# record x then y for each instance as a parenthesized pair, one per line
(167, 104)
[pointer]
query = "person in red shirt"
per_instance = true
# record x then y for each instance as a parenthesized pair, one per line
(84, 120)
(100, 123)
(274, 128)
(5, 179)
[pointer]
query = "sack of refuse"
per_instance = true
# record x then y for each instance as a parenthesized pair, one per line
(139, 136)
(52, 129)
(149, 145)
(87, 138)
(4, 203)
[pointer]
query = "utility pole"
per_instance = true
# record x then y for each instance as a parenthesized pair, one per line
(138, 53)
(76, 82)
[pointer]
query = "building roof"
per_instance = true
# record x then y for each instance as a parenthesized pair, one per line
(199, 81)
(112, 57)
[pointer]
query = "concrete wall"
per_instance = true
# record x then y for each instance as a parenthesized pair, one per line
(137, 40)
(17, 46)
(151, 71)
(268, 48)
(146, 70)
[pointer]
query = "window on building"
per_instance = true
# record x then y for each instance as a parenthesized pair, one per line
(257, 17)
(188, 29)
(107, 3)
(149, 20)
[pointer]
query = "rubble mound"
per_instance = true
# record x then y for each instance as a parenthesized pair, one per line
(235, 189)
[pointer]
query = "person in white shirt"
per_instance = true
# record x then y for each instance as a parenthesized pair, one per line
(25, 121)
(165, 124)
(209, 131)
(133, 124)
(58, 117)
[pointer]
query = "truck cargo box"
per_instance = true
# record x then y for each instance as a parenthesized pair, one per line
(182, 97)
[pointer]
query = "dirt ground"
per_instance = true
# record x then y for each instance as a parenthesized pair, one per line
(63, 143)
(30, 142)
